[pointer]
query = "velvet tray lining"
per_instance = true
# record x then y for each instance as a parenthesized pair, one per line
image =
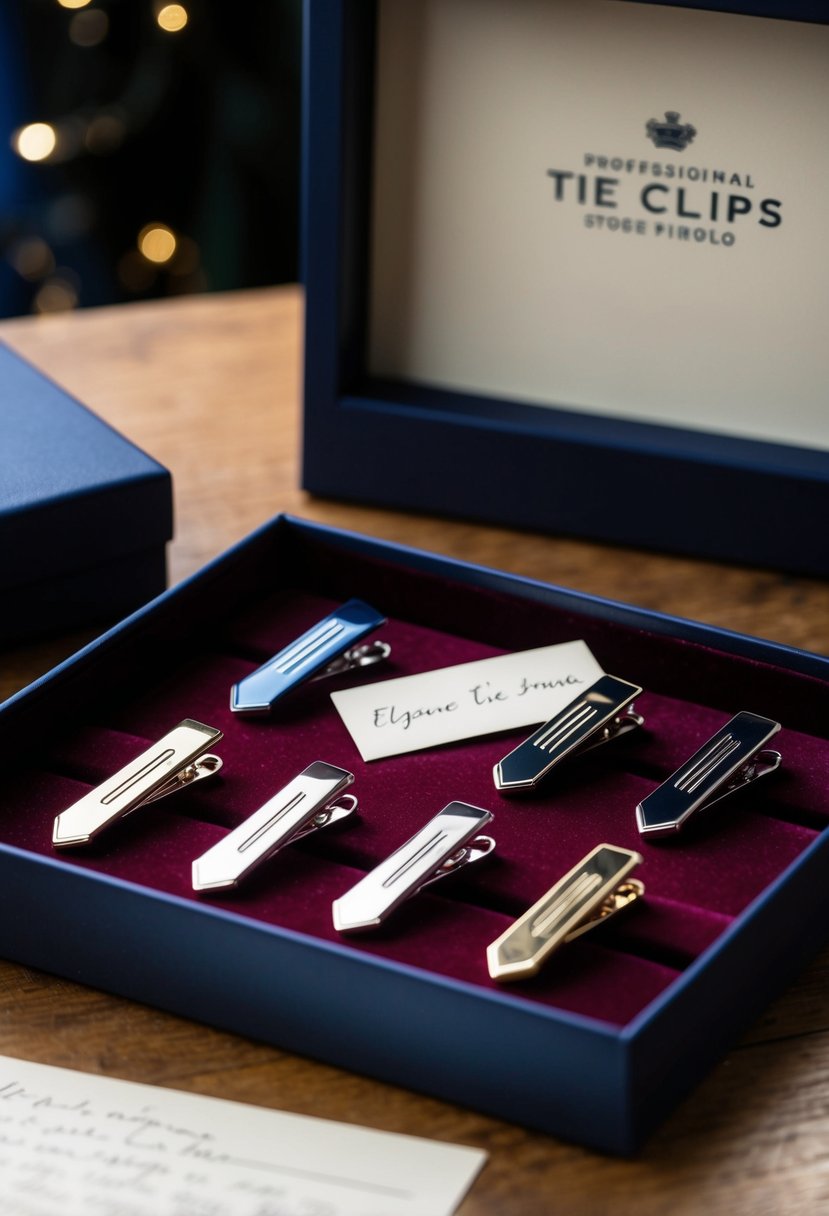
(695, 885)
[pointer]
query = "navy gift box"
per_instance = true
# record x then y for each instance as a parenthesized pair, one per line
(617, 1027)
(84, 514)
(405, 443)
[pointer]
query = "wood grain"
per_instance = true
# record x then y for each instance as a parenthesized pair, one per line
(211, 387)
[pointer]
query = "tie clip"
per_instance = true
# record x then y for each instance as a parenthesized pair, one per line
(313, 800)
(443, 846)
(328, 645)
(731, 759)
(602, 713)
(588, 895)
(174, 762)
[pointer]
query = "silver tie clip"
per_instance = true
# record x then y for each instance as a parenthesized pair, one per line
(309, 802)
(440, 848)
(591, 892)
(174, 762)
(329, 645)
(733, 758)
(602, 713)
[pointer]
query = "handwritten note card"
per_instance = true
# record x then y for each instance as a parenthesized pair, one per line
(82, 1145)
(462, 702)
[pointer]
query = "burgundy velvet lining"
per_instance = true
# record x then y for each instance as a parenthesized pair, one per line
(696, 884)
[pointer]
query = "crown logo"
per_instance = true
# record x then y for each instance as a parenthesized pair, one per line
(671, 133)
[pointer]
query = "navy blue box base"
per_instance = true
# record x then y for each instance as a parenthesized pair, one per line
(499, 1051)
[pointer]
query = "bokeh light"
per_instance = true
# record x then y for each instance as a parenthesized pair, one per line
(36, 141)
(56, 295)
(157, 243)
(89, 29)
(172, 18)
(31, 257)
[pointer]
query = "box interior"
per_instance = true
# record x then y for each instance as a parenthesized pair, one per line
(181, 661)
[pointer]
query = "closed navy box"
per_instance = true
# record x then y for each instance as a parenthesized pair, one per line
(84, 514)
(618, 1025)
(406, 433)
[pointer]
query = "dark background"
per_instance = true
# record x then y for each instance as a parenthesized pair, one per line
(197, 130)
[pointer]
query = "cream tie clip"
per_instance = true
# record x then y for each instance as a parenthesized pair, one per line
(173, 763)
(442, 847)
(314, 799)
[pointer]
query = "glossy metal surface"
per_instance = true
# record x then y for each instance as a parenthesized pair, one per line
(729, 760)
(302, 806)
(172, 763)
(440, 848)
(593, 718)
(258, 692)
(583, 898)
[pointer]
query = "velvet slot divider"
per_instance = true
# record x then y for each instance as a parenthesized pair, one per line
(696, 885)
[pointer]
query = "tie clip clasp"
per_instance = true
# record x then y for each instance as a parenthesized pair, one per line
(604, 712)
(176, 761)
(314, 799)
(731, 759)
(326, 649)
(446, 844)
(594, 890)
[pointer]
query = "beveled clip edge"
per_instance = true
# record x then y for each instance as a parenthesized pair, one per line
(755, 763)
(340, 658)
(624, 720)
(475, 848)
(337, 805)
(199, 765)
(607, 903)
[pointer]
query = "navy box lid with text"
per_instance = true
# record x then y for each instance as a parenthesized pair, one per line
(84, 514)
(563, 268)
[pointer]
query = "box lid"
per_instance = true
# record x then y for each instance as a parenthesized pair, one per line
(74, 494)
(389, 376)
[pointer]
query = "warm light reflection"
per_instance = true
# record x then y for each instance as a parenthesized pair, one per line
(172, 18)
(58, 295)
(31, 257)
(157, 242)
(89, 29)
(35, 141)
(73, 3)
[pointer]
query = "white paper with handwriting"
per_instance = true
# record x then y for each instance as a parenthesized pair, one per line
(461, 702)
(76, 1144)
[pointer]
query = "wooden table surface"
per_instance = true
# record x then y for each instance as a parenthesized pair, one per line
(211, 387)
